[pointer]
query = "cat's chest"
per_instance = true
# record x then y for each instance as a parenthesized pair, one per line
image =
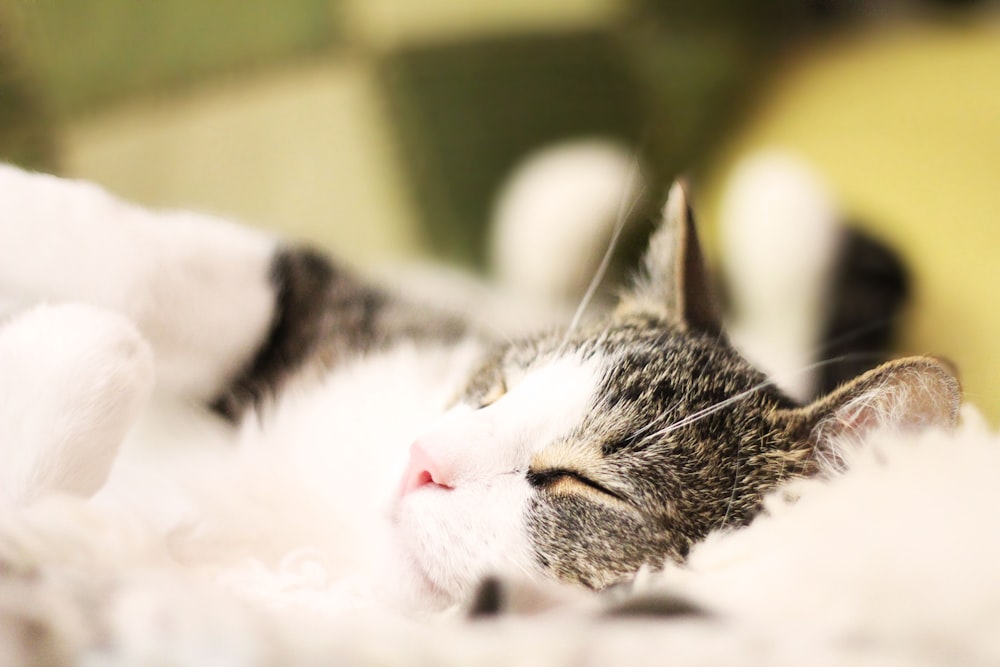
(316, 471)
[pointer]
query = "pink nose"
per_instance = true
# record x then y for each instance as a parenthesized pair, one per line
(421, 471)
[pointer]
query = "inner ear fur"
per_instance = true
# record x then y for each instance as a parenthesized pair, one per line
(905, 395)
(675, 282)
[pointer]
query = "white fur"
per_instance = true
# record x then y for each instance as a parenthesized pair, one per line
(546, 402)
(780, 234)
(197, 287)
(556, 214)
(454, 537)
(72, 380)
(303, 512)
(310, 484)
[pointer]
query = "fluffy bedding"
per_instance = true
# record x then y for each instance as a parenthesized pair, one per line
(891, 562)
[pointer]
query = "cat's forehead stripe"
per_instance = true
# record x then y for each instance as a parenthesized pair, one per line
(559, 394)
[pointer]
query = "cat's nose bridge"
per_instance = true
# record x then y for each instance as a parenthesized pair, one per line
(460, 452)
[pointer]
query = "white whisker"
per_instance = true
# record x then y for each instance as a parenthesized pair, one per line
(721, 405)
(622, 217)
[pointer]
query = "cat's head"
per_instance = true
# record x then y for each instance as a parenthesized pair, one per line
(585, 456)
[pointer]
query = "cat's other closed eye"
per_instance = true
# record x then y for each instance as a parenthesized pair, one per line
(497, 391)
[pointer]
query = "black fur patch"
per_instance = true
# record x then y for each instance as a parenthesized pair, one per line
(323, 316)
(296, 276)
(869, 290)
(488, 600)
(305, 282)
(658, 606)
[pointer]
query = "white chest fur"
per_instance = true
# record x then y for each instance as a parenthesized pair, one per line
(308, 481)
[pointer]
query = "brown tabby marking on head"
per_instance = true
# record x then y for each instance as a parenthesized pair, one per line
(685, 436)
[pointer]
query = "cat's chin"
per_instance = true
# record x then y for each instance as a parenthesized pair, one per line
(414, 588)
(420, 593)
(407, 583)
(447, 541)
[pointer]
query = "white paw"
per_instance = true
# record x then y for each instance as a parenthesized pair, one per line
(557, 213)
(72, 380)
(781, 233)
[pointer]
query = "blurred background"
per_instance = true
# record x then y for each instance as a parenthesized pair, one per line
(384, 129)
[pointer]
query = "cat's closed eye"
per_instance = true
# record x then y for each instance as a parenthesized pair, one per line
(496, 392)
(552, 479)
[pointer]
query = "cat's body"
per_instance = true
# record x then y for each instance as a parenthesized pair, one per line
(397, 446)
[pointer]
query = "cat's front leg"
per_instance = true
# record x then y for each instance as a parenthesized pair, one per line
(198, 288)
(72, 380)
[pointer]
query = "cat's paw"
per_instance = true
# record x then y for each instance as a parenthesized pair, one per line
(72, 380)
(557, 214)
(781, 234)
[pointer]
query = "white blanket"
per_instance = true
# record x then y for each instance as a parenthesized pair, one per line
(892, 562)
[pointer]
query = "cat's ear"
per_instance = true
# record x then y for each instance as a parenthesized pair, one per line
(675, 281)
(904, 395)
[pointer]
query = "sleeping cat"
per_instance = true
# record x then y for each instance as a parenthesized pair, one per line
(380, 433)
